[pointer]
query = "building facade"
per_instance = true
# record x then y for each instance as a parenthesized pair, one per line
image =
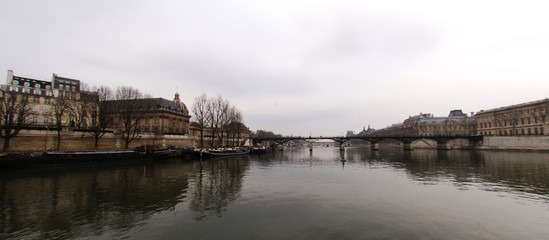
(516, 120)
(45, 98)
(152, 115)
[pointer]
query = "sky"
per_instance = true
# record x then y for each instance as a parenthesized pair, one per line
(293, 67)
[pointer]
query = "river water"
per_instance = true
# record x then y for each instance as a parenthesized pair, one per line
(295, 194)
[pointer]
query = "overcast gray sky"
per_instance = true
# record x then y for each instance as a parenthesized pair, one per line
(294, 67)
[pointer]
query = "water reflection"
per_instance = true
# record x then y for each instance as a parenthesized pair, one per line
(69, 203)
(216, 183)
(526, 172)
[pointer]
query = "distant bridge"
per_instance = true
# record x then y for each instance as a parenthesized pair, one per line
(442, 141)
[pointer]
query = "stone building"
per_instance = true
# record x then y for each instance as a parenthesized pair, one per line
(521, 119)
(79, 107)
(154, 115)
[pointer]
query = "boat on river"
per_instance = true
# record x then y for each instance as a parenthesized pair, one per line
(89, 155)
(224, 152)
(152, 151)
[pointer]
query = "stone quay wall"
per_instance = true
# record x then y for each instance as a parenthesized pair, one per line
(46, 140)
(508, 143)
(517, 143)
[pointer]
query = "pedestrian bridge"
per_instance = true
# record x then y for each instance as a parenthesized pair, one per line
(442, 141)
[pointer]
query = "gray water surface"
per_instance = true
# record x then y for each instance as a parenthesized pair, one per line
(295, 194)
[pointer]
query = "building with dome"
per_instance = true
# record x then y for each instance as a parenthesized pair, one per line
(152, 115)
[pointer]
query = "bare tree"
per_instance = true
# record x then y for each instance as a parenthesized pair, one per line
(98, 124)
(224, 108)
(14, 111)
(131, 112)
(200, 114)
(215, 109)
(99, 121)
(236, 119)
(60, 106)
(105, 93)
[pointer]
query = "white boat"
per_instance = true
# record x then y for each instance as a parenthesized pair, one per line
(224, 152)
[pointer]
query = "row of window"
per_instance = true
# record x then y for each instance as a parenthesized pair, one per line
(30, 91)
(48, 87)
(527, 131)
(522, 121)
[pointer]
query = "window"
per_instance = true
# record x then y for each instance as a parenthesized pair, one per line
(15, 82)
(47, 100)
(27, 84)
(46, 110)
(46, 121)
(36, 99)
(36, 109)
(34, 119)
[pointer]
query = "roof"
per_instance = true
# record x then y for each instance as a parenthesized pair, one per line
(546, 100)
(150, 105)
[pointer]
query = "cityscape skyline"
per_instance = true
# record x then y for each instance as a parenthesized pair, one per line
(293, 67)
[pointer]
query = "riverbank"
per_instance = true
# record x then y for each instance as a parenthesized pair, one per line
(492, 143)
(515, 143)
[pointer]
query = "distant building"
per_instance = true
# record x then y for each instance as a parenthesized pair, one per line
(365, 131)
(522, 119)
(425, 124)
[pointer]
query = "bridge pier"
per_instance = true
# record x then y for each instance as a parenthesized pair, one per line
(310, 147)
(374, 146)
(408, 146)
(443, 146)
(341, 147)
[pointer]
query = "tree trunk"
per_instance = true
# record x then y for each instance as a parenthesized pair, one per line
(6, 146)
(96, 142)
(201, 137)
(58, 139)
